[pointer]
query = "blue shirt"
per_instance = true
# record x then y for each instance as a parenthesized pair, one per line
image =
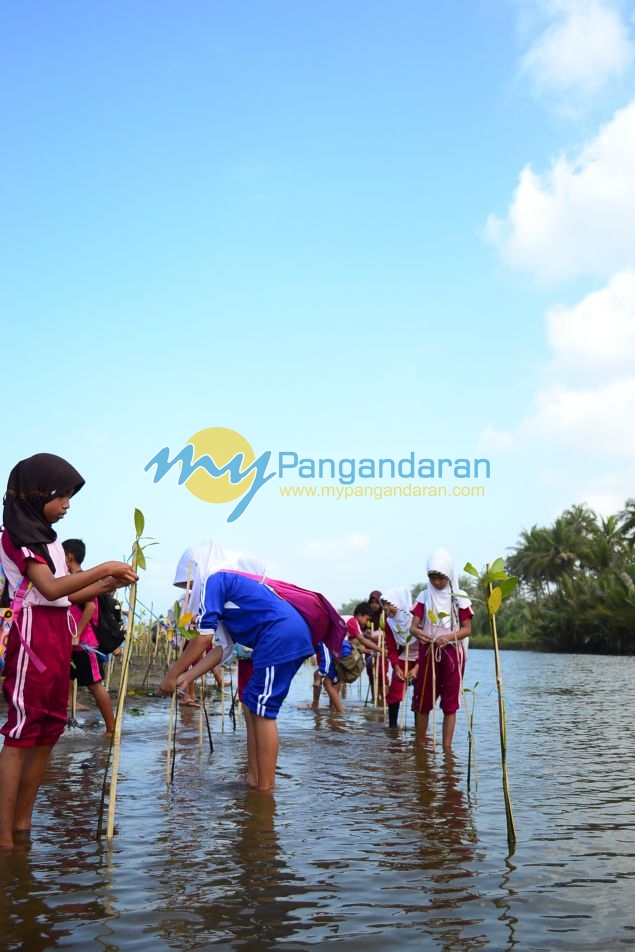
(256, 617)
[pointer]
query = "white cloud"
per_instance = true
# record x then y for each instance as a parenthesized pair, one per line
(586, 398)
(577, 219)
(597, 420)
(583, 45)
(596, 338)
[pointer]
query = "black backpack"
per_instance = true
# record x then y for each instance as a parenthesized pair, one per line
(109, 627)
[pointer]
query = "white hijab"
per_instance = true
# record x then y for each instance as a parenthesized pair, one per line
(202, 560)
(400, 623)
(445, 601)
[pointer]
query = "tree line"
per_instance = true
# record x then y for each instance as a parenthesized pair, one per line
(577, 585)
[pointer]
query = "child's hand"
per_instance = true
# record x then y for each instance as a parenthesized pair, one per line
(421, 636)
(122, 573)
(167, 685)
(183, 682)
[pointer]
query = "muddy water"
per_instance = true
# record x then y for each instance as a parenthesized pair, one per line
(367, 842)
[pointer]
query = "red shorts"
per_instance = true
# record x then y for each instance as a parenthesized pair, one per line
(245, 671)
(37, 700)
(448, 674)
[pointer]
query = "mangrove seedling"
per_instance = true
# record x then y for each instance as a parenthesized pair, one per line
(496, 585)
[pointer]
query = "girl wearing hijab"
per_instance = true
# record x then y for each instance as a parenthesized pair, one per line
(38, 653)
(402, 648)
(194, 566)
(279, 621)
(442, 622)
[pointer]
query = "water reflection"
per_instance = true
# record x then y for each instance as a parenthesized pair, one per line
(230, 883)
(368, 841)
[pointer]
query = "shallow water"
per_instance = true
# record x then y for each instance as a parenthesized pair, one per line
(367, 841)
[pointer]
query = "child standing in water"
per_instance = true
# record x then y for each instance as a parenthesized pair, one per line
(402, 649)
(38, 656)
(238, 608)
(443, 640)
(88, 666)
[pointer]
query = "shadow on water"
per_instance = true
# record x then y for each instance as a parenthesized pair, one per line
(368, 841)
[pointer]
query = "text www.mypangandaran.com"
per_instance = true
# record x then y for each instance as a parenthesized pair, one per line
(383, 492)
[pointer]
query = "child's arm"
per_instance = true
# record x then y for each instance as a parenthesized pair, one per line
(416, 627)
(371, 646)
(192, 652)
(211, 660)
(449, 637)
(90, 583)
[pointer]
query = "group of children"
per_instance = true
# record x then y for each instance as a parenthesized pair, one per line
(51, 599)
(424, 643)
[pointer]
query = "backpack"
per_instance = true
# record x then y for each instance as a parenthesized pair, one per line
(350, 665)
(109, 627)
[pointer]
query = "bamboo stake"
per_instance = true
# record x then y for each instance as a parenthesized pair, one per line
(434, 696)
(170, 750)
(116, 738)
(201, 699)
(232, 710)
(471, 754)
(511, 827)
(169, 768)
(382, 645)
(376, 675)
(405, 693)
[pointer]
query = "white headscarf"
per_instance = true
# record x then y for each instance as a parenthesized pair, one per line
(445, 601)
(206, 558)
(399, 623)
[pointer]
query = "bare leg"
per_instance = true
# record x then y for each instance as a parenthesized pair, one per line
(317, 687)
(252, 760)
(421, 728)
(333, 695)
(11, 764)
(21, 772)
(447, 733)
(267, 745)
(102, 697)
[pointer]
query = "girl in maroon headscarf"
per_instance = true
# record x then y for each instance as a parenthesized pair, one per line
(38, 654)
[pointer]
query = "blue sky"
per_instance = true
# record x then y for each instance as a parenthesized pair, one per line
(351, 229)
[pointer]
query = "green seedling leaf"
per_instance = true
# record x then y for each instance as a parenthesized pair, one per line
(176, 608)
(494, 600)
(469, 568)
(498, 565)
(141, 559)
(433, 617)
(443, 615)
(139, 522)
(508, 586)
(495, 577)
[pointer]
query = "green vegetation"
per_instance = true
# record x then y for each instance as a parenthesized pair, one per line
(577, 587)
(578, 582)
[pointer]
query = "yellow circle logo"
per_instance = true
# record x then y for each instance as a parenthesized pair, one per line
(222, 456)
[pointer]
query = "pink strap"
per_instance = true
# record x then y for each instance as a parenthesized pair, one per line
(16, 607)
